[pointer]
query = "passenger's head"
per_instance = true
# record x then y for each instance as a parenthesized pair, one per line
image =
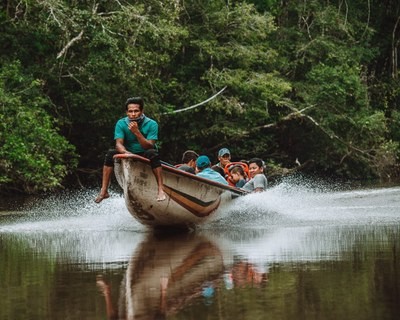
(189, 157)
(256, 166)
(237, 173)
(224, 156)
(135, 100)
(203, 162)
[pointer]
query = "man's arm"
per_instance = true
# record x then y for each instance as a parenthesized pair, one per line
(259, 182)
(119, 145)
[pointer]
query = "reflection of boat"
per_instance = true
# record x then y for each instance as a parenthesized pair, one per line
(191, 200)
(165, 274)
(168, 273)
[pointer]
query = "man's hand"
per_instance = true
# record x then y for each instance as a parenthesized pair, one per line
(133, 127)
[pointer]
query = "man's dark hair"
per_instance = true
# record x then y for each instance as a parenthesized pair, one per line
(189, 155)
(135, 100)
(259, 162)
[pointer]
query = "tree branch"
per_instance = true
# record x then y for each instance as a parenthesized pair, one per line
(198, 104)
(300, 114)
(394, 50)
(69, 44)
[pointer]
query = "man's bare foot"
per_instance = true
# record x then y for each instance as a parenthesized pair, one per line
(101, 197)
(161, 196)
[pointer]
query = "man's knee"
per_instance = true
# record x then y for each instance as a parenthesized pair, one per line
(109, 158)
(154, 158)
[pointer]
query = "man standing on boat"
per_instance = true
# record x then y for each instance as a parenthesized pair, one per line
(136, 134)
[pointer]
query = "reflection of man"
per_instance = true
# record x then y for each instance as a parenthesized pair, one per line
(105, 290)
(224, 157)
(178, 269)
(112, 314)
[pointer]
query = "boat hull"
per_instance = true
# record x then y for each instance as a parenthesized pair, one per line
(191, 200)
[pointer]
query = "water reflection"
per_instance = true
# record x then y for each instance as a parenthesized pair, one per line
(280, 254)
(166, 275)
(167, 272)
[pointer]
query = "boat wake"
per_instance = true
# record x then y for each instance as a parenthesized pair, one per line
(290, 217)
(71, 212)
(295, 202)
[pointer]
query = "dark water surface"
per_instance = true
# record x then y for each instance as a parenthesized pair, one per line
(293, 252)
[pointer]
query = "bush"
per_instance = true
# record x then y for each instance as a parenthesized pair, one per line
(34, 157)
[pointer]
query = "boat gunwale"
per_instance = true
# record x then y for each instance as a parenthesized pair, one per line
(173, 169)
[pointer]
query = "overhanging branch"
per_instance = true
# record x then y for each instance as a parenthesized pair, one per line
(69, 44)
(198, 104)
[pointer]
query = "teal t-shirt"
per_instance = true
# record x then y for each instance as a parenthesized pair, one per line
(149, 129)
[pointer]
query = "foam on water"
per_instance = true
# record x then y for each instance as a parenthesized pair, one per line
(73, 212)
(73, 227)
(295, 219)
(295, 201)
(298, 201)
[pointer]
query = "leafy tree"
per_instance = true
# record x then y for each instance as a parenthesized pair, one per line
(92, 57)
(227, 46)
(328, 50)
(34, 156)
(309, 81)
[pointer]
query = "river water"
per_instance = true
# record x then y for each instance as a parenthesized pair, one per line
(296, 251)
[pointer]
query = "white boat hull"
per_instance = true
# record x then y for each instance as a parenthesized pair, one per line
(191, 200)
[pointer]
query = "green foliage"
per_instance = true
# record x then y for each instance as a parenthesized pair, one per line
(34, 156)
(329, 49)
(332, 61)
(227, 46)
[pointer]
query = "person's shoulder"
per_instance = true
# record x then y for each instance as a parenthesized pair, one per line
(261, 176)
(149, 120)
(122, 124)
(186, 168)
(122, 120)
(216, 175)
(219, 170)
(207, 172)
(240, 183)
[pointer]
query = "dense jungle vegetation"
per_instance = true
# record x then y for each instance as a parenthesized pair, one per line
(309, 82)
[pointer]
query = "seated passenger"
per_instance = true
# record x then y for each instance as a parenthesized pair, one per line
(224, 157)
(189, 158)
(219, 170)
(238, 176)
(203, 169)
(258, 181)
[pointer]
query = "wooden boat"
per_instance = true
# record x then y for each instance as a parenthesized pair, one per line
(191, 200)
